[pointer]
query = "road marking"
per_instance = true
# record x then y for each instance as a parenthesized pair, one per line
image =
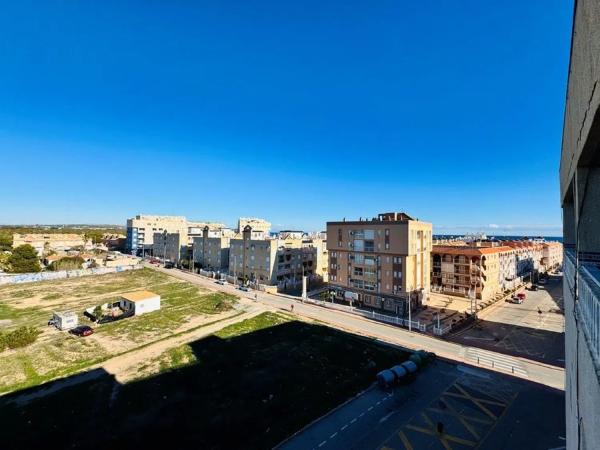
(378, 402)
(369, 408)
(361, 414)
(322, 443)
(386, 417)
(405, 441)
(333, 435)
(353, 420)
(344, 427)
(385, 399)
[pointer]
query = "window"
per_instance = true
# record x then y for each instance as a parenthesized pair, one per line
(358, 271)
(359, 245)
(369, 234)
(369, 246)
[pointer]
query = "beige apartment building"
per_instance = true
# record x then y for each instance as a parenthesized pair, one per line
(142, 228)
(470, 270)
(380, 262)
(277, 261)
(51, 241)
(552, 255)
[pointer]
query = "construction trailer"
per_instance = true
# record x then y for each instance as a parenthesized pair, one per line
(64, 320)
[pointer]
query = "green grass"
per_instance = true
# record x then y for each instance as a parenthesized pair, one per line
(56, 355)
(268, 375)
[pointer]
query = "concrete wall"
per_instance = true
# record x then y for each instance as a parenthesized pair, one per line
(45, 276)
(581, 127)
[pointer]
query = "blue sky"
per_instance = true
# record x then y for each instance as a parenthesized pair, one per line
(298, 112)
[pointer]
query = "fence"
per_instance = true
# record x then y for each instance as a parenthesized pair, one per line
(61, 274)
(588, 307)
(440, 331)
(414, 324)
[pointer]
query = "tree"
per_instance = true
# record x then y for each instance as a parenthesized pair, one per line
(24, 259)
(6, 241)
(67, 263)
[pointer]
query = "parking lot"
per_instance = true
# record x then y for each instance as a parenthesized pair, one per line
(533, 329)
(448, 407)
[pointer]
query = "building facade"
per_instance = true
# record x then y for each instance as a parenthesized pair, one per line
(277, 261)
(44, 242)
(211, 250)
(141, 230)
(381, 262)
(469, 271)
(169, 247)
(580, 200)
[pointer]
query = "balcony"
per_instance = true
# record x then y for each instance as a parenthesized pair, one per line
(583, 282)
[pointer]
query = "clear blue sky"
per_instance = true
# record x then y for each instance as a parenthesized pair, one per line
(298, 112)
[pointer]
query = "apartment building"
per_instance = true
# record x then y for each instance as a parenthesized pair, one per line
(528, 256)
(142, 228)
(170, 246)
(275, 260)
(469, 271)
(508, 269)
(580, 197)
(44, 242)
(211, 250)
(380, 262)
(552, 255)
(260, 227)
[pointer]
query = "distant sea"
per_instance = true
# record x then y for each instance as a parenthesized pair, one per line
(505, 238)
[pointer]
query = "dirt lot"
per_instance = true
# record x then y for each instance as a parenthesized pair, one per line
(247, 386)
(55, 353)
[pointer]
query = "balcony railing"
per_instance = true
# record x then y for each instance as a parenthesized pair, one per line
(584, 285)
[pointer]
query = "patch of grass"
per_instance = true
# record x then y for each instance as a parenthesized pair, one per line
(267, 374)
(180, 302)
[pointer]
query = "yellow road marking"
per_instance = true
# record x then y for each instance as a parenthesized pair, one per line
(476, 401)
(405, 441)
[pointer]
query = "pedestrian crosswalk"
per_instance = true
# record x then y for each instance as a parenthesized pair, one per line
(496, 361)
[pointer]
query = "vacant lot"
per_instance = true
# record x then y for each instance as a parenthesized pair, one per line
(248, 386)
(183, 306)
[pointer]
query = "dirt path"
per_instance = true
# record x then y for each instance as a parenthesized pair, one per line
(124, 367)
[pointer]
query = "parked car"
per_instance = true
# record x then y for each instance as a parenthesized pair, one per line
(522, 295)
(169, 265)
(515, 300)
(154, 261)
(221, 282)
(533, 287)
(82, 331)
(542, 281)
(244, 288)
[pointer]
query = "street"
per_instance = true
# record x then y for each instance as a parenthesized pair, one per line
(521, 367)
(476, 408)
(533, 330)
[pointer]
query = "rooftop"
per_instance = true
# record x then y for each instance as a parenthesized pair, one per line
(138, 296)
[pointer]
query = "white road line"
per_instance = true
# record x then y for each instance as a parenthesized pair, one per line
(378, 402)
(322, 443)
(369, 408)
(361, 414)
(344, 427)
(384, 399)
(333, 435)
(353, 420)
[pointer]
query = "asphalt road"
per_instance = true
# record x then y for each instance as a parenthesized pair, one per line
(478, 409)
(533, 329)
(520, 367)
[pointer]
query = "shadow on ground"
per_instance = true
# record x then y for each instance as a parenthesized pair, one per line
(248, 391)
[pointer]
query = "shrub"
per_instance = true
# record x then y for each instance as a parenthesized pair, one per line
(21, 337)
